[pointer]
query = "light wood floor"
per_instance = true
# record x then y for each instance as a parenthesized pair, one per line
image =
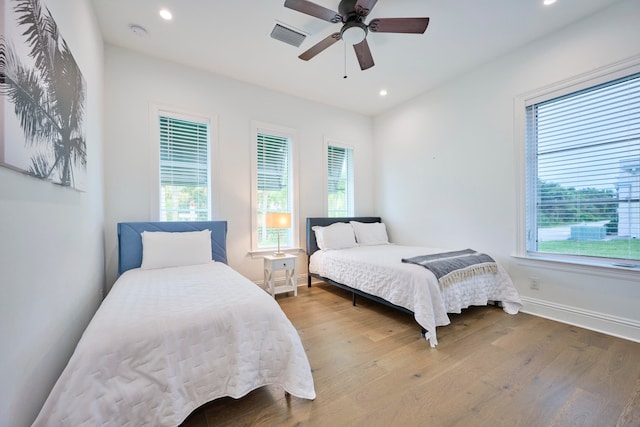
(372, 368)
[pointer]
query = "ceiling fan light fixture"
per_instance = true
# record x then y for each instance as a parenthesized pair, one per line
(353, 32)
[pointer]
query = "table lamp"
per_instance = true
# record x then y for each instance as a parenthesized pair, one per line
(278, 220)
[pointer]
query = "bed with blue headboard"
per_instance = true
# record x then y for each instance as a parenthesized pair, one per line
(168, 339)
(130, 239)
(364, 262)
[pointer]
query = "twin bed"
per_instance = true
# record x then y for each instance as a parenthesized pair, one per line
(167, 340)
(371, 267)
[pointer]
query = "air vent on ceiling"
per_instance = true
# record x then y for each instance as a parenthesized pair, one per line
(287, 35)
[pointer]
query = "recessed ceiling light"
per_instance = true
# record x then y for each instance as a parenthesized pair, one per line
(166, 15)
(383, 92)
(548, 2)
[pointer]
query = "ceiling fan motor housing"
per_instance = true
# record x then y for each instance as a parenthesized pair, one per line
(347, 9)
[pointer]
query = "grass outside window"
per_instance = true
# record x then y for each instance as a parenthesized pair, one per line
(613, 248)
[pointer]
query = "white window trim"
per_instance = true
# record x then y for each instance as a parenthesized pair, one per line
(335, 143)
(295, 212)
(155, 109)
(521, 102)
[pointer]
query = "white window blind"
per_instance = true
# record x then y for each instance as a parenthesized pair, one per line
(184, 169)
(339, 181)
(274, 181)
(583, 177)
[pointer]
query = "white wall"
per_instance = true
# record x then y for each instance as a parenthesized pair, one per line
(448, 168)
(51, 247)
(134, 82)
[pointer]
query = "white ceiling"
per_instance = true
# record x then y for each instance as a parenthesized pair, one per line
(232, 38)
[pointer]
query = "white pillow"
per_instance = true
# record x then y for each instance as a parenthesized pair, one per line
(338, 235)
(373, 233)
(163, 249)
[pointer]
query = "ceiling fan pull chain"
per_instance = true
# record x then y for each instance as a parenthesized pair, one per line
(345, 59)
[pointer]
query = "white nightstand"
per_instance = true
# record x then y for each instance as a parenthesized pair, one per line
(286, 263)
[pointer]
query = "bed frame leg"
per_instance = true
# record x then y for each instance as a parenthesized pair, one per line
(353, 299)
(308, 281)
(423, 331)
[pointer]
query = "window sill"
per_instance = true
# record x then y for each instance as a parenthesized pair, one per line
(261, 253)
(573, 265)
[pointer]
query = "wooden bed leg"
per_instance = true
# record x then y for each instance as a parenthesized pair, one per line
(353, 300)
(308, 281)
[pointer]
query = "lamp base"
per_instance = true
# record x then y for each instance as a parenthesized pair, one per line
(279, 254)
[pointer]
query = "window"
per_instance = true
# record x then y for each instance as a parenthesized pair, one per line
(184, 168)
(583, 173)
(339, 180)
(274, 186)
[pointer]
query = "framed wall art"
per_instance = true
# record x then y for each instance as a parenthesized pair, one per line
(42, 97)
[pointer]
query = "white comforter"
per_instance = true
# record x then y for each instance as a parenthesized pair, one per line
(166, 341)
(378, 270)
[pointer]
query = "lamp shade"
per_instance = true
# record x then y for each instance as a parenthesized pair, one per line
(278, 220)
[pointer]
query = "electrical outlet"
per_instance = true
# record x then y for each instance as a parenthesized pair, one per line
(534, 283)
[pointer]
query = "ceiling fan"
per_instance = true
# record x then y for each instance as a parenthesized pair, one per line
(352, 14)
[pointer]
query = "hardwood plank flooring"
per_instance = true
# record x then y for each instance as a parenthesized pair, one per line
(372, 368)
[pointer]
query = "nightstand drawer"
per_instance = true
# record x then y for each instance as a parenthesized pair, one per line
(282, 264)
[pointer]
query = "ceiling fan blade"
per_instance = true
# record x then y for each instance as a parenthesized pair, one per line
(319, 47)
(313, 9)
(364, 7)
(399, 25)
(364, 54)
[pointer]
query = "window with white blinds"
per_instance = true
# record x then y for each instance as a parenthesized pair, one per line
(274, 187)
(583, 173)
(339, 181)
(184, 169)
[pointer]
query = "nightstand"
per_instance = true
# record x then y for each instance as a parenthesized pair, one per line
(286, 263)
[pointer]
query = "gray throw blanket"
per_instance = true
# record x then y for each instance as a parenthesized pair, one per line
(452, 267)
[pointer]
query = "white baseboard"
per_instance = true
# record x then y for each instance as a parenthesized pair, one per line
(620, 327)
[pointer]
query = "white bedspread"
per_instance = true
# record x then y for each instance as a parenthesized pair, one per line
(166, 341)
(378, 270)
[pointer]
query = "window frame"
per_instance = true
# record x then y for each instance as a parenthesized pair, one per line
(584, 81)
(294, 242)
(155, 111)
(331, 142)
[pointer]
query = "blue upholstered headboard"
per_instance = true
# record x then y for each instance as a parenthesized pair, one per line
(130, 239)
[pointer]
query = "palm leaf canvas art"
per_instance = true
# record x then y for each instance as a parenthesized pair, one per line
(42, 94)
